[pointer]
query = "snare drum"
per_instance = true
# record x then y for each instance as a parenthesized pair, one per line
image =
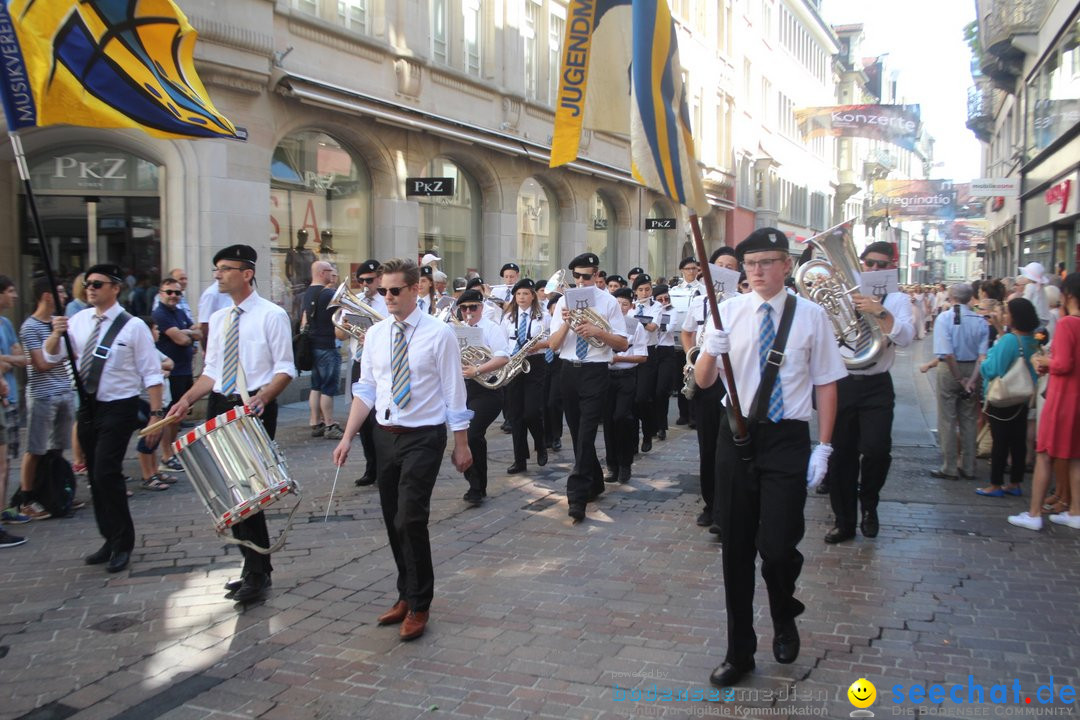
(235, 467)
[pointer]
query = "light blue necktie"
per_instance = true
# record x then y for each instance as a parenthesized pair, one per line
(399, 362)
(232, 352)
(523, 331)
(582, 347)
(766, 336)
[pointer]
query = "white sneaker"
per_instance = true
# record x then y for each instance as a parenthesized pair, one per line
(1025, 520)
(1065, 518)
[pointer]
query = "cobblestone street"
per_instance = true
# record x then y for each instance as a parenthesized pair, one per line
(534, 617)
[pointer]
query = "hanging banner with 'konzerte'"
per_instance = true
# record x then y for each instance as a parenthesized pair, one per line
(898, 124)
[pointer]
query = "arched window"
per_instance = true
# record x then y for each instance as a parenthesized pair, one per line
(450, 225)
(320, 209)
(538, 237)
(600, 232)
(662, 245)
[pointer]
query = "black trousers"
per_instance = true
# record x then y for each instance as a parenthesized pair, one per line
(707, 410)
(862, 445)
(367, 439)
(646, 389)
(485, 405)
(669, 363)
(1010, 438)
(253, 529)
(553, 409)
(525, 407)
(104, 430)
(761, 504)
(585, 388)
(408, 466)
(620, 422)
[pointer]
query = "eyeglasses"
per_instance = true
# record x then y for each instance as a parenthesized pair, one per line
(365, 280)
(97, 284)
(469, 307)
(879, 264)
(225, 268)
(177, 293)
(763, 264)
(395, 291)
(583, 276)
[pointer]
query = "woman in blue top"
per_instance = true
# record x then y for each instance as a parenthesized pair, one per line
(1008, 425)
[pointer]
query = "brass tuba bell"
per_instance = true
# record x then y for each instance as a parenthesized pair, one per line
(349, 303)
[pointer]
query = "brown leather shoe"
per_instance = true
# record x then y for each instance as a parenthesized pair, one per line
(395, 614)
(414, 625)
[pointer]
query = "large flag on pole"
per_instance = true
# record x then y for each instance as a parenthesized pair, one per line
(633, 88)
(104, 63)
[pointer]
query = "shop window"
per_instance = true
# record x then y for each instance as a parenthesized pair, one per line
(538, 242)
(662, 246)
(600, 232)
(450, 225)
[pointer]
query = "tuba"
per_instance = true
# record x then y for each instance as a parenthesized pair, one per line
(829, 282)
(557, 283)
(349, 303)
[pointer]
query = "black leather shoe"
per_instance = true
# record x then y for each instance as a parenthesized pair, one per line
(728, 674)
(716, 530)
(516, 469)
(661, 435)
(556, 445)
(577, 512)
(365, 479)
(704, 519)
(822, 489)
(869, 524)
(839, 535)
(612, 476)
(646, 444)
(506, 427)
(233, 585)
(541, 457)
(624, 474)
(118, 562)
(941, 475)
(99, 557)
(254, 587)
(785, 644)
(473, 497)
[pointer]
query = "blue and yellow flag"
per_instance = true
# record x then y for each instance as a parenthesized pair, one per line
(104, 63)
(634, 88)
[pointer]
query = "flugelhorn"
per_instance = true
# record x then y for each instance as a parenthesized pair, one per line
(829, 282)
(557, 283)
(349, 303)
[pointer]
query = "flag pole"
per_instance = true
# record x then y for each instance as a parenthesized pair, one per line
(742, 436)
(24, 175)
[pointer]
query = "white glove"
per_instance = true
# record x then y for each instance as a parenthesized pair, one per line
(716, 342)
(818, 466)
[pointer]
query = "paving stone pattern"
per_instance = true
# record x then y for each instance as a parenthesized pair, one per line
(534, 617)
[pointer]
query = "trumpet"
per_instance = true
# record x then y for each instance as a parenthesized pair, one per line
(349, 303)
(557, 283)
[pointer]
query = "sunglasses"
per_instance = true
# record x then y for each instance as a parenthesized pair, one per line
(177, 293)
(583, 276)
(879, 264)
(395, 291)
(365, 280)
(469, 307)
(97, 284)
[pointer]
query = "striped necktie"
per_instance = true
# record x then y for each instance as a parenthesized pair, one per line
(399, 362)
(523, 331)
(766, 336)
(232, 352)
(582, 347)
(87, 359)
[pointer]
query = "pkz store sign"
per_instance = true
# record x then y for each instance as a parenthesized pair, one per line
(97, 170)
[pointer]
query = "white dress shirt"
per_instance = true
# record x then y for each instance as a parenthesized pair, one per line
(811, 356)
(696, 319)
(133, 360)
(608, 308)
(211, 301)
(666, 318)
(437, 389)
(643, 311)
(903, 333)
(510, 330)
(639, 345)
(265, 342)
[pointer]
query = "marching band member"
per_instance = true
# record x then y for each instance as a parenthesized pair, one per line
(614, 282)
(524, 399)
(632, 273)
(115, 356)
(644, 310)
(585, 379)
(412, 377)
(250, 354)
(691, 276)
(762, 500)
(553, 409)
(620, 422)
(484, 402)
(368, 277)
(669, 361)
(426, 300)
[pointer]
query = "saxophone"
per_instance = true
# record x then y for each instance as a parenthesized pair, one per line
(689, 383)
(518, 365)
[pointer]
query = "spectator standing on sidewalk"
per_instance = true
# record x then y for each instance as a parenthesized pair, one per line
(326, 370)
(10, 358)
(176, 340)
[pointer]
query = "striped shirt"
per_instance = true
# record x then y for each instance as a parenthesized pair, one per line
(50, 383)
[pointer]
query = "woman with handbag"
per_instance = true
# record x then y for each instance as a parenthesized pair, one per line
(1059, 425)
(1007, 369)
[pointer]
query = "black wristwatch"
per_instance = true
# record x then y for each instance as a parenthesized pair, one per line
(157, 413)
(882, 315)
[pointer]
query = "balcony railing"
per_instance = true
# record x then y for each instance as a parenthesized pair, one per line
(1005, 19)
(980, 111)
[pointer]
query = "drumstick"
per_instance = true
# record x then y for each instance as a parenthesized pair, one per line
(159, 424)
(332, 489)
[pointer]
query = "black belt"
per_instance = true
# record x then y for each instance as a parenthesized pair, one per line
(622, 372)
(582, 363)
(235, 398)
(966, 361)
(403, 430)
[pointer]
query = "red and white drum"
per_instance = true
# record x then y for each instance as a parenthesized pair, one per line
(235, 467)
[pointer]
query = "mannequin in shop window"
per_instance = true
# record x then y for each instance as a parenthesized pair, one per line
(298, 271)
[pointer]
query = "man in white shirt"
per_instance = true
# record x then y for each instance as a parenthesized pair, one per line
(865, 400)
(585, 377)
(761, 499)
(114, 366)
(644, 312)
(412, 378)
(262, 368)
(620, 422)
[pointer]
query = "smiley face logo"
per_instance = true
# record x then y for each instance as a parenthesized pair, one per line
(862, 693)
